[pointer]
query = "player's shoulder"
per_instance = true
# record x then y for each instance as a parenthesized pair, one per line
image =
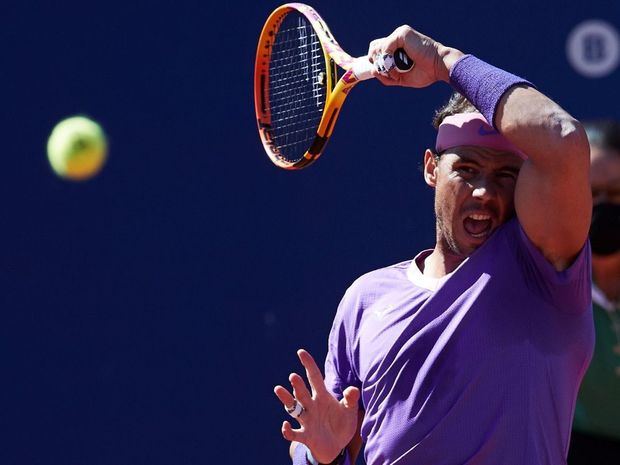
(370, 287)
(381, 279)
(508, 231)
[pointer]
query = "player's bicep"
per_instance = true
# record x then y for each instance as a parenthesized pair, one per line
(554, 206)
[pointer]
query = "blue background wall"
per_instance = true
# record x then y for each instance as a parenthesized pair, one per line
(148, 313)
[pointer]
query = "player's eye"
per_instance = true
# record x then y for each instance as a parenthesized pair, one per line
(466, 169)
(507, 175)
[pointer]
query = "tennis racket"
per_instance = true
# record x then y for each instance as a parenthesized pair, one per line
(297, 92)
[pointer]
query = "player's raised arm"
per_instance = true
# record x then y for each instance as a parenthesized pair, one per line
(552, 196)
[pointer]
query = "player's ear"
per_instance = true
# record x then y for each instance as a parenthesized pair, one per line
(430, 168)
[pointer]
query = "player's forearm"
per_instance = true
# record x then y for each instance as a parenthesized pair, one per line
(525, 116)
(354, 448)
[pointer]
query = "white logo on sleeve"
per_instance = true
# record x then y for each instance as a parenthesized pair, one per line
(381, 312)
(593, 48)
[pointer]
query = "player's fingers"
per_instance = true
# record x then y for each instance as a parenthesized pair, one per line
(378, 68)
(315, 377)
(396, 39)
(285, 397)
(350, 397)
(291, 434)
(374, 48)
(300, 391)
(387, 50)
(387, 81)
(394, 75)
(387, 46)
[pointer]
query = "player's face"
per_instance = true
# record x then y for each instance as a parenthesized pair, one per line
(474, 195)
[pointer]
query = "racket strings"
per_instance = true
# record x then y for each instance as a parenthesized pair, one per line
(296, 90)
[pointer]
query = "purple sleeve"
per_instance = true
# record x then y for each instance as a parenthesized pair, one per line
(339, 367)
(569, 290)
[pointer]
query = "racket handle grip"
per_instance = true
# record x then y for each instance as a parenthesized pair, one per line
(402, 62)
(362, 68)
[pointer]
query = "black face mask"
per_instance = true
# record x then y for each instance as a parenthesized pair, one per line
(605, 228)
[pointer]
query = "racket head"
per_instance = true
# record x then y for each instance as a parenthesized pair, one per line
(294, 75)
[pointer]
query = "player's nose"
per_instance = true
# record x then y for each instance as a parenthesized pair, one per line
(483, 189)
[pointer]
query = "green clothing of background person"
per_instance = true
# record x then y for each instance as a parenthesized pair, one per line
(596, 428)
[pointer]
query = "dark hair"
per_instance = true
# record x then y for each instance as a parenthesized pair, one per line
(456, 104)
(604, 134)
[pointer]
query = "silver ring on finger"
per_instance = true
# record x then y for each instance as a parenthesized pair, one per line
(296, 410)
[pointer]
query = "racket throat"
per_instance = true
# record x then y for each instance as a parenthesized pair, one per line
(318, 145)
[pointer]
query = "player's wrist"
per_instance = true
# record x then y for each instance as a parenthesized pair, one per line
(340, 459)
(482, 84)
(447, 57)
(303, 456)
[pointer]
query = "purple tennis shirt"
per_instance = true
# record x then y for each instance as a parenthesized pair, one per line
(479, 367)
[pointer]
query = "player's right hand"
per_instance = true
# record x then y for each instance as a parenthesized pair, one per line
(326, 425)
(432, 59)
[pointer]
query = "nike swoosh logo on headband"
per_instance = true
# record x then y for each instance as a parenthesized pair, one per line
(484, 132)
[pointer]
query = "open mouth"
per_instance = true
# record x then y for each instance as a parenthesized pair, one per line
(478, 225)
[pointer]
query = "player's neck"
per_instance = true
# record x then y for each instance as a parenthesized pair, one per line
(606, 271)
(439, 263)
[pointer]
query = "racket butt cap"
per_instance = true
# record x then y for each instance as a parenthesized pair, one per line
(402, 61)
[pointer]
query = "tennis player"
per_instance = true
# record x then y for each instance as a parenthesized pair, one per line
(472, 352)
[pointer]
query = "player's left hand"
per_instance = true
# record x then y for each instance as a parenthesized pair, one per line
(326, 425)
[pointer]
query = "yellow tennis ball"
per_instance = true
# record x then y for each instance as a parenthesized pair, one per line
(77, 148)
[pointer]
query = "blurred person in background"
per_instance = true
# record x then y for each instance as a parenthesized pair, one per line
(596, 429)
